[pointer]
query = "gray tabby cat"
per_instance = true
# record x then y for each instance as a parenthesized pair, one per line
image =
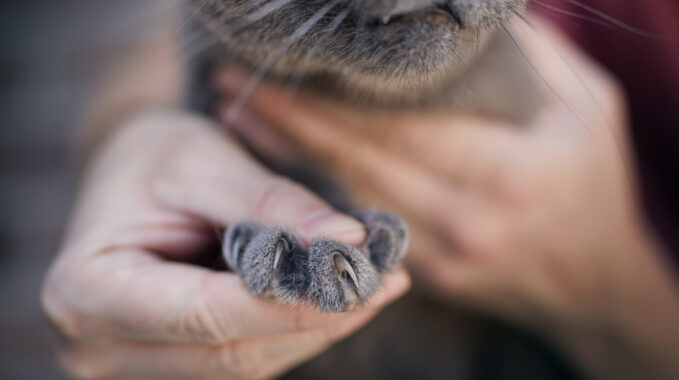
(376, 54)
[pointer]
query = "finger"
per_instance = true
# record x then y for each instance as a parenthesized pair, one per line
(145, 298)
(573, 84)
(358, 162)
(420, 162)
(254, 358)
(457, 148)
(266, 141)
(454, 147)
(213, 177)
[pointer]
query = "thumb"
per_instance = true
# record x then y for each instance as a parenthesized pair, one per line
(212, 177)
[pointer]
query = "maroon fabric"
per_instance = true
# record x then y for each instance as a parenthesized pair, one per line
(649, 70)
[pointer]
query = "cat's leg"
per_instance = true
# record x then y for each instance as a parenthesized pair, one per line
(271, 261)
(340, 276)
(387, 240)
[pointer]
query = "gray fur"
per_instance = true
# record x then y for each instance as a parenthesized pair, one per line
(327, 289)
(255, 265)
(309, 275)
(423, 56)
(388, 238)
(245, 232)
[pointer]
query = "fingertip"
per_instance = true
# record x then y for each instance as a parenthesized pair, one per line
(394, 286)
(332, 225)
(397, 283)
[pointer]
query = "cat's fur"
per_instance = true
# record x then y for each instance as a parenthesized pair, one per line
(389, 53)
(442, 53)
(274, 263)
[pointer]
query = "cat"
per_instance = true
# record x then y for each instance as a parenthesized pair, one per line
(375, 54)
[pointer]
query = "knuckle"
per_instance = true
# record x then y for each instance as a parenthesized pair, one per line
(57, 310)
(201, 322)
(239, 358)
(483, 240)
(277, 191)
(509, 186)
(80, 368)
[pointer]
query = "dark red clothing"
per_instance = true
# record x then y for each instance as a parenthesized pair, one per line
(649, 71)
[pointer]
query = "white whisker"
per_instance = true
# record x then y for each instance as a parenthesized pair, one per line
(617, 22)
(264, 68)
(303, 66)
(541, 77)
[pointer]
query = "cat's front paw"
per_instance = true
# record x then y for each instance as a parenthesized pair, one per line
(341, 276)
(271, 261)
(274, 263)
(387, 240)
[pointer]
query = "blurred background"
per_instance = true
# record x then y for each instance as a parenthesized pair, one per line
(51, 53)
(51, 56)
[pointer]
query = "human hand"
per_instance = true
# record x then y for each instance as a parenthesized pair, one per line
(537, 223)
(124, 291)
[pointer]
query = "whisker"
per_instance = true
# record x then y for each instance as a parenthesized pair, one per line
(238, 104)
(540, 76)
(191, 17)
(619, 145)
(249, 7)
(221, 28)
(573, 14)
(563, 59)
(298, 75)
(264, 11)
(208, 36)
(360, 26)
(526, 72)
(617, 22)
(200, 42)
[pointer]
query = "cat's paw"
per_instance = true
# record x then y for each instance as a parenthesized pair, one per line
(340, 276)
(387, 238)
(271, 261)
(236, 240)
(274, 263)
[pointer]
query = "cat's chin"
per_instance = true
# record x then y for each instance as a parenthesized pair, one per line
(415, 74)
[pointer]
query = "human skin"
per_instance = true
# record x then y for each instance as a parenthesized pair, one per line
(125, 290)
(537, 223)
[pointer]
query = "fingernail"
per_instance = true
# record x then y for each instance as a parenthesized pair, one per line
(330, 224)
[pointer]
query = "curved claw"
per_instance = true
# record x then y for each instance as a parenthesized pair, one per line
(280, 248)
(342, 265)
(235, 250)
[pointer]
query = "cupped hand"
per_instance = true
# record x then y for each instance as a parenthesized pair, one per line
(537, 223)
(125, 290)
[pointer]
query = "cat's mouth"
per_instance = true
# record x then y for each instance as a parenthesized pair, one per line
(442, 9)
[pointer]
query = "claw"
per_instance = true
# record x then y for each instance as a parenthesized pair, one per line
(235, 249)
(343, 267)
(280, 248)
